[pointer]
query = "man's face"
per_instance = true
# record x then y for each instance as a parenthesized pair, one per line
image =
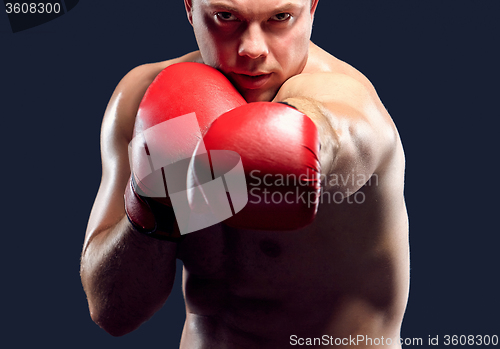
(257, 44)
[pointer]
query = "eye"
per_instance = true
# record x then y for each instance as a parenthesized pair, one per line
(226, 16)
(281, 17)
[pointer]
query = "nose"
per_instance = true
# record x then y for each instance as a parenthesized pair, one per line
(253, 42)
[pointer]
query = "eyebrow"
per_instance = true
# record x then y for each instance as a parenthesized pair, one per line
(284, 8)
(223, 6)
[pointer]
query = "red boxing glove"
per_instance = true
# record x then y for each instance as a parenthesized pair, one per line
(279, 149)
(165, 136)
(185, 88)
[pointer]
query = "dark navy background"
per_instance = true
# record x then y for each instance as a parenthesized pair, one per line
(435, 67)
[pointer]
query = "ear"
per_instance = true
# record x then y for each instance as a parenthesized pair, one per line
(189, 10)
(314, 5)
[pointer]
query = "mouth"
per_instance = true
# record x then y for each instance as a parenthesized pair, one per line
(251, 81)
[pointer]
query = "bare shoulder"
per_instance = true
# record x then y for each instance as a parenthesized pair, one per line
(141, 77)
(121, 111)
(321, 61)
(340, 83)
(336, 84)
(338, 90)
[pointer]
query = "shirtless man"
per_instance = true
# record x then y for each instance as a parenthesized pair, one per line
(345, 276)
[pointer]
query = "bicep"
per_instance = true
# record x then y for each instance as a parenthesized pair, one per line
(116, 133)
(108, 206)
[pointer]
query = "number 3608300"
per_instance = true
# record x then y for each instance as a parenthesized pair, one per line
(32, 7)
(470, 340)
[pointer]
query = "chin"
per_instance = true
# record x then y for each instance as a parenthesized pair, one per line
(259, 95)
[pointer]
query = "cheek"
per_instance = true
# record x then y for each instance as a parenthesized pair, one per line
(214, 46)
(291, 51)
(214, 52)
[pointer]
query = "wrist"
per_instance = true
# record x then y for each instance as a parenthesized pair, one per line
(149, 217)
(321, 116)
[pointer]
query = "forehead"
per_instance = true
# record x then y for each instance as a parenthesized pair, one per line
(253, 3)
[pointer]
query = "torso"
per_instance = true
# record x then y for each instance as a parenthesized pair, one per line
(344, 275)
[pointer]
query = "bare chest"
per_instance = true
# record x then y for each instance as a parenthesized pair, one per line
(346, 241)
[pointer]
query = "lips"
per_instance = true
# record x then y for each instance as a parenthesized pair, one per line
(251, 81)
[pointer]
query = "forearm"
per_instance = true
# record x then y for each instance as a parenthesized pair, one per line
(127, 277)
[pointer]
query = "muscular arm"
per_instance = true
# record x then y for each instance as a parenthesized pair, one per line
(127, 276)
(357, 135)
